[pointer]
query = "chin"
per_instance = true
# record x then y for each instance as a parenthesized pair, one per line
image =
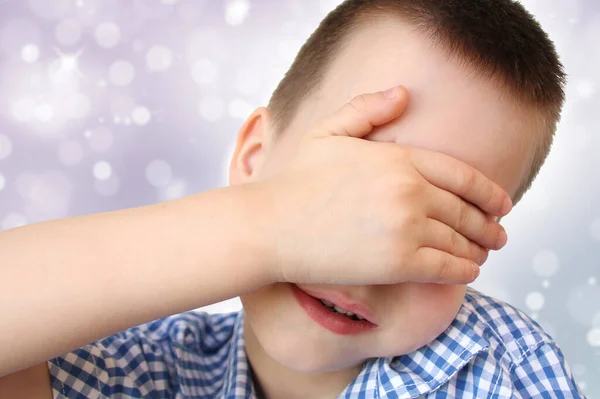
(305, 355)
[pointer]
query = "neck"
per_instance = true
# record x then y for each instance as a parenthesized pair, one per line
(274, 381)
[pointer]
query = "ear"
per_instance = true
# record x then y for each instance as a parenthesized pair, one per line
(251, 147)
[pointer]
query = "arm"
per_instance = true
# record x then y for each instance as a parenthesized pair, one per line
(65, 283)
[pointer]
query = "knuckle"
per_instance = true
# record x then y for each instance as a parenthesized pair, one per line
(488, 231)
(359, 103)
(456, 243)
(407, 188)
(445, 268)
(467, 179)
(463, 216)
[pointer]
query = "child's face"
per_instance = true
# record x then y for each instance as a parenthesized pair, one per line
(451, 110)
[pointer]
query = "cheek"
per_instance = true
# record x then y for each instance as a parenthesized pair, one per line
(427, 310)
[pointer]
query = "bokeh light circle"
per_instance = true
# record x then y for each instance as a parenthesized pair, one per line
(121, 73)
(158, 173)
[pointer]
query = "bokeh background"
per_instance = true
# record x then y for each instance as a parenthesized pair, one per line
(110, 104)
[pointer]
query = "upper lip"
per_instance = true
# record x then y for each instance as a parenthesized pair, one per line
(344, 302)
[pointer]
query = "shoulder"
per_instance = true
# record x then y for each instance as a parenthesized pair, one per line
(194, 327)
(520, 356)
(506, 328)
(150, 360)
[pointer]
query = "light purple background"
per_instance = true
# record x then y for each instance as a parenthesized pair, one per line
(108, 104)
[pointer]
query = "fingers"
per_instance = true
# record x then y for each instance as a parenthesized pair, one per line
(465, 218)
(439, 236)
(435, 266)
(363, 113)
(463, 180)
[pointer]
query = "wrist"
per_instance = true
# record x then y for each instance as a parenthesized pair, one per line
(254, 232)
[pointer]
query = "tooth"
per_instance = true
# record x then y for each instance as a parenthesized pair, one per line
(350, 314)
(340, 310)
(359, 318)
(327, 303)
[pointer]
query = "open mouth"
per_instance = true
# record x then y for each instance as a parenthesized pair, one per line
(336, 309)
(333, 317)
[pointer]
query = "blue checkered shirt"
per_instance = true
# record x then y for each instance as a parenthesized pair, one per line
(491, 350)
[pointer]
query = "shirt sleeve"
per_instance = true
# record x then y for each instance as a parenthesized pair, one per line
(130, 364)
(545, 374)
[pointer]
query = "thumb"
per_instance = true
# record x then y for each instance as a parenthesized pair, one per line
(364, 112)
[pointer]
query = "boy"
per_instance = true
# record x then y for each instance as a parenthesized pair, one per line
(339, 241)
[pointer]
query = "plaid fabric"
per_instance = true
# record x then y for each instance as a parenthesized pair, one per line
(491, 350)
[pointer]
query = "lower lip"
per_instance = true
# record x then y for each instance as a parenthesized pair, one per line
(332, 321)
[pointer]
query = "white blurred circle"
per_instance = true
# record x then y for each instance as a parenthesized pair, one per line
(6, 146)
(595, 229)
(240, 109)
(68, 32)
(546, 263)
(108, 187)
(101, 139)
(592, 280)
(169, 2)
(204, 72)
(593, 337)
(102, 170)
(174, 190)
(30, 53)
(50, 9)
(2, 182)
(78, 105)
(70, 153)
(107, 34)
(545, 283)
(236, 11)
(141, 115)
(23, 109)
(212, 108)
(13, 220)
(63, 73)
(159, 58)
(121, 73)
(582, 303)
(158, 173)
(534, 301)
(44, 112)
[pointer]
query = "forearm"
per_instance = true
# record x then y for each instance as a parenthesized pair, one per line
(65, 283)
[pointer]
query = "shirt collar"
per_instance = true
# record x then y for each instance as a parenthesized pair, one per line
(408, 376)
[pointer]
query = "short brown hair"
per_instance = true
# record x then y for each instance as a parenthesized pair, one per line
(500, 39)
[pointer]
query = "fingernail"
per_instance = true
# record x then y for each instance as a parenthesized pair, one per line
(506, 206)
(476, 270)
(392, 93)
(502, 239)
(483, 257)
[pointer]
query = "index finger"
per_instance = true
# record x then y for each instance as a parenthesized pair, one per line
(452, 175)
